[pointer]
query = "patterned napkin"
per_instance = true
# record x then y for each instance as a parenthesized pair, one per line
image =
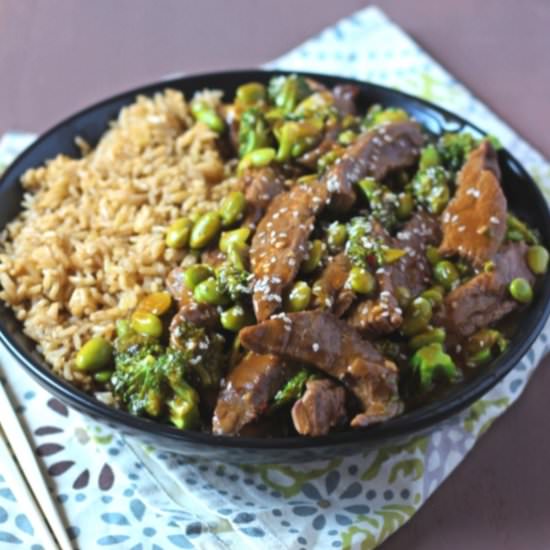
(115, 493)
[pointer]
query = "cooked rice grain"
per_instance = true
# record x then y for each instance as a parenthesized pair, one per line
(89, 242)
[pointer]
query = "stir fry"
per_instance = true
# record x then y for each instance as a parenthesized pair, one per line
(363, 267)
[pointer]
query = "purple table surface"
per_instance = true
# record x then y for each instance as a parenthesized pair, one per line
(59, 56)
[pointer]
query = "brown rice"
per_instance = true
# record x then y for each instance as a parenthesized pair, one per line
(89, 242)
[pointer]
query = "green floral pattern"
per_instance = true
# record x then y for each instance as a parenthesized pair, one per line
(117, 493)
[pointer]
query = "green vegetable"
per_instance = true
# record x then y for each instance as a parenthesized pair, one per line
(237, 255)
(299, 297)
(347, 137)
(337, 235)
(417, 317)
(103, 376)
(383, 202)
(434, 295)
(296, 137)
(329, 158)
(227, 238)
(291, 391)
(430, 188)
(521, 290)
(232, 208)
(205, 230)
(446, 274)
(361, 281)
(146, 323)
(317, 104)
(207, 115)
(251, 94)
(149, 380)
(257, 158)
(537, 259)
(429, 158)
(233, 281)
(157, 303)
(454, 148)
(519, 231)
(195, 274)
(363, 248)
(405, 206)
(403, 295)
(376, 115)
(315, 253)
(94, 355)
(430, 336)
(209, 291)
(286, 92)
(177, 235)
(235, 318)
(482, 346)
(254, 131)
(432, 253)
(431, 360)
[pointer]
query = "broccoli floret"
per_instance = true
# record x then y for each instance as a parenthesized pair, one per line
(383, 202)
(377, 115)
(235, 282)
(454, 148)
(430, 188)
(287, 91)
(253, 131)
(519, 231)
(203, 351)
(366, 250)
(430, 360)
(292, 390)
(149, 380)
(484, 345)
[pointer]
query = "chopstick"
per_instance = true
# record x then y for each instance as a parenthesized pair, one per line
(24, 496)
(30, 471)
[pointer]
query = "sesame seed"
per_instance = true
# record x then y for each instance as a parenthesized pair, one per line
(315, 347)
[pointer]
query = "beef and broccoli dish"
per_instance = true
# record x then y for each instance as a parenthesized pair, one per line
(356, 267)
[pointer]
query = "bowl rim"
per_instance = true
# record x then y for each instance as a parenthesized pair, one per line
(419, 419)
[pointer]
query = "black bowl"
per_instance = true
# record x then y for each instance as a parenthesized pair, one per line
(521, 191)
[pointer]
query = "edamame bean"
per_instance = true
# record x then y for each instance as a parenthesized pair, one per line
(238, 255)
(434, 295)
(209, 292)
(232, 208)
(537, 259)
(299, 297)
(432, 253)
(177, 235)
(361, 281)
(146, 323)
(430, 336)
(404, 206)
(337, 235)
(103, 376)
(429, 157)
(313, 258)
(94, 355)
(347, 137)
(403, 295)
(417, 317)
(227, 238)
(257, 158)
(205, 230)
(446, 274)
(235, 318)
(157, 303)
(521, 290)
(250, 93)
(211, 119)
(195, 274)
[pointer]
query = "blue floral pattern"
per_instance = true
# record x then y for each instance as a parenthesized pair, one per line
(117, 494)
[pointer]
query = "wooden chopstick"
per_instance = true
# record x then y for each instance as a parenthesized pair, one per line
(23, 495)
(30, 469)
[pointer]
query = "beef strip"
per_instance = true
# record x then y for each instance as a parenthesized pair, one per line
(330, 290)
(383, 150)
(279, 244)
(249, 388)
(322, 407)
(412, 271)
(485, 299)
(344, 98)
(474, 222)
(330, 344)
(261, 185)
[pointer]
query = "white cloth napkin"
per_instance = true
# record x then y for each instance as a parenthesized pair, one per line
(116, 493)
